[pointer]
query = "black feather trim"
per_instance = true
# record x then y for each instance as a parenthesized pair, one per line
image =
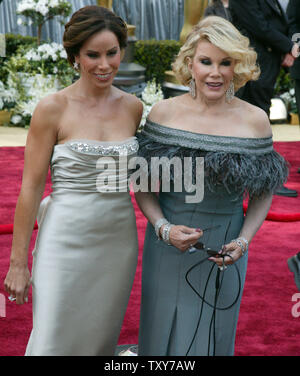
(252, 175)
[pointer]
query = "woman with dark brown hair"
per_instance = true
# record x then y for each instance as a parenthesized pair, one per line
(86, 250)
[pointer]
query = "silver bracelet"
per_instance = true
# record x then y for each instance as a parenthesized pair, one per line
(160, 222)
(239, 241)
(166, 233)
(245, 241)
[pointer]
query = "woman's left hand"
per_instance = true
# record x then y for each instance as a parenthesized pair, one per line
(233, 249)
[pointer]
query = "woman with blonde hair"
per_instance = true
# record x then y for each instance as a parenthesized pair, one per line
(195, 252)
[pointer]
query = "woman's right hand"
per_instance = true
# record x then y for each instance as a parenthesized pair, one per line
(17, 283)
(183, 237)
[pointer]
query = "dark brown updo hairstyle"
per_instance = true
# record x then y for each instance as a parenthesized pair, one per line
(88, 21)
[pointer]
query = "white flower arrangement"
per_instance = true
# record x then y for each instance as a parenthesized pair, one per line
(150, 95)
(32, 74)
(40, 87)
(44, 7)
(16, 119)
(50, 59)
(52, 51)
(8, 97)
(40, 11)
(289, 99)
(40, 6)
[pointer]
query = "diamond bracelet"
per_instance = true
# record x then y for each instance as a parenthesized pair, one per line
(160, 222)
(240, 242)
(166, 230)
(166, 233)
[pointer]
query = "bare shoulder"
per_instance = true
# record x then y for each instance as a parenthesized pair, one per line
(51, 107)
(257, 120)
(42, 137)
(260, 122)
(46, 116)
(133, 104)
(160, 112)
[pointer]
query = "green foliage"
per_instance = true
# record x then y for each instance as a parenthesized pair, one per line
(284, 82)
(156, 57)
(30, 73)
(46, 59)
(14, 42)
(285, 89)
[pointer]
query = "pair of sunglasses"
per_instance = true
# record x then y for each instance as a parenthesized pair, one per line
(200, 246)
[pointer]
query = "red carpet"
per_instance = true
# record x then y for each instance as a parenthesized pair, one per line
(266, 325)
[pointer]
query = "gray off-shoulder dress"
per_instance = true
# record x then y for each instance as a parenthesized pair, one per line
(189, 306)
(86, 250)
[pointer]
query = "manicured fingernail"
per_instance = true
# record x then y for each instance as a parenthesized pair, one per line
(198, 229)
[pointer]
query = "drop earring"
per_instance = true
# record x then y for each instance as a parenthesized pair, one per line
(230, 92)
(76, 65)
(192, 86)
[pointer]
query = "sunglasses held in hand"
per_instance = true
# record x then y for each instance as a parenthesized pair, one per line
(201, 246)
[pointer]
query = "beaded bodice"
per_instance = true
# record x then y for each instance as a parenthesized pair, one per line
(107, 148)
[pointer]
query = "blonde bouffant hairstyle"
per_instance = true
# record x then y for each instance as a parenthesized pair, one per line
(222, 34)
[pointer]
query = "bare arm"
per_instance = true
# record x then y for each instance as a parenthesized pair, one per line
(257, 207)
(256, 214)
(257, 211)
(40, 140)
(149, 205)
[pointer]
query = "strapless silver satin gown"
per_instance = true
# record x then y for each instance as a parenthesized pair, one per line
(86, 251)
